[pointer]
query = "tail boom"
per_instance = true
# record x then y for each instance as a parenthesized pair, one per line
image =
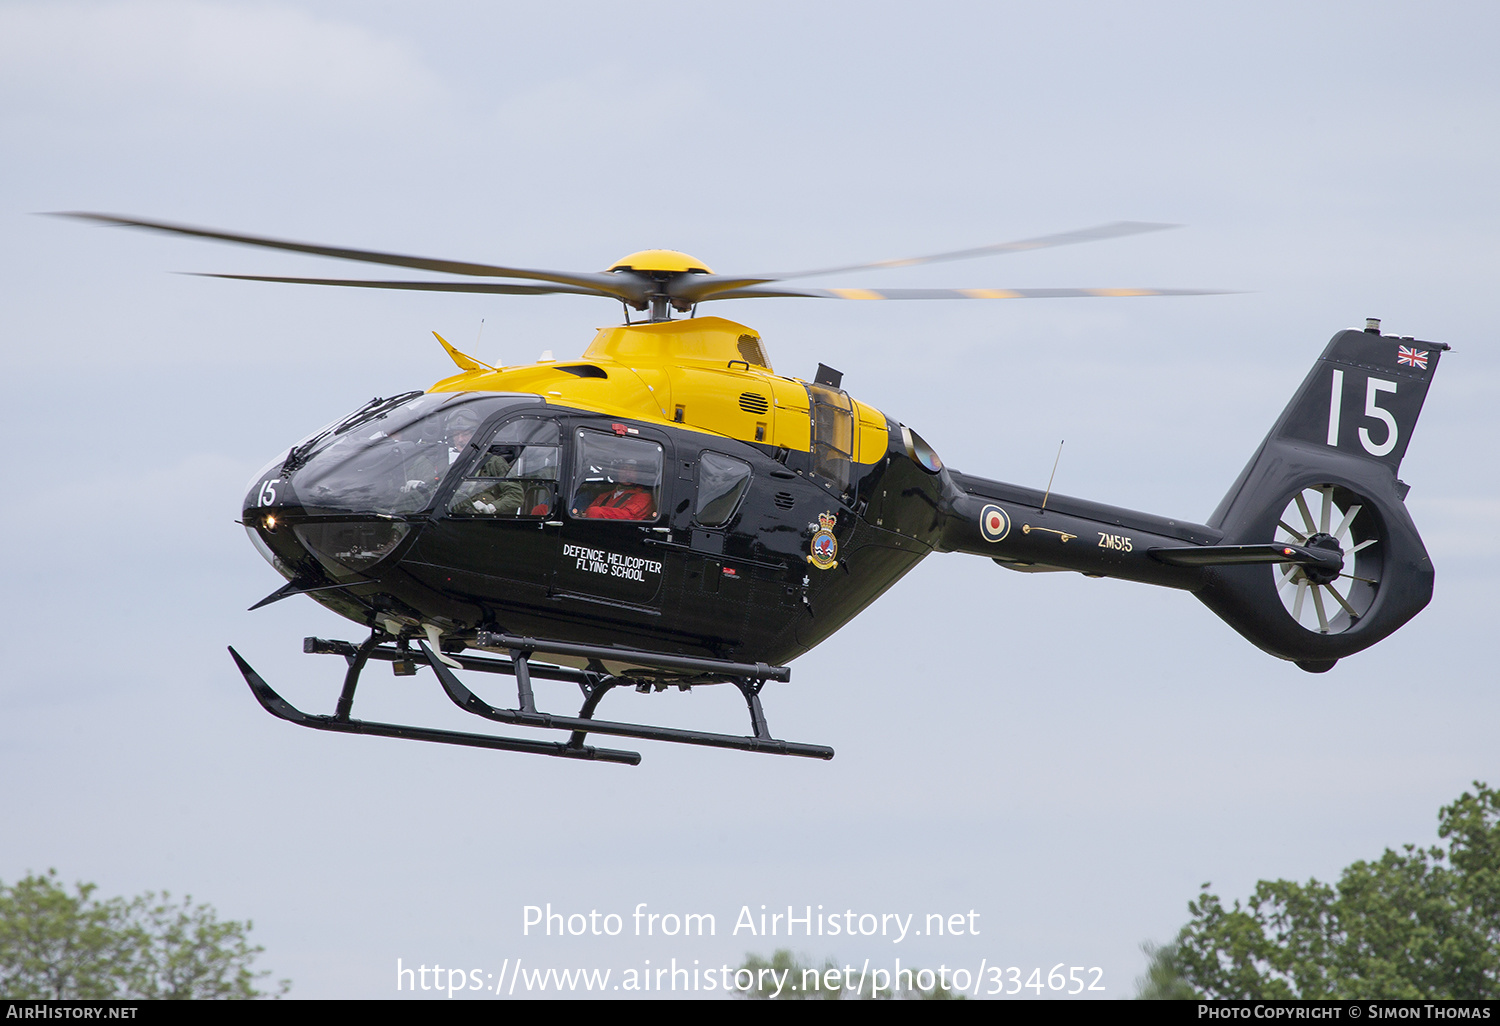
(1023, 529)
(1311, 556)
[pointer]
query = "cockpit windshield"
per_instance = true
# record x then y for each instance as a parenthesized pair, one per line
(389, 457)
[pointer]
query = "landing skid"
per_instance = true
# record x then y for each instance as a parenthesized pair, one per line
(594, 683)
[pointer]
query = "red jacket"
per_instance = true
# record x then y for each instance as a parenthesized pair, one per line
(628, 502)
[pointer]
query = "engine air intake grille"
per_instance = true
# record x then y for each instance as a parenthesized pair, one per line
(752, 403)
(750, 349)
(784, 500)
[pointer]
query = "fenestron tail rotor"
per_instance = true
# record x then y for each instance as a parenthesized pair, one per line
(663, 280)
(1327, 516)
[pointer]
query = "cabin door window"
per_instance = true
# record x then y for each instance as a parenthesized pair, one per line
(515, 474)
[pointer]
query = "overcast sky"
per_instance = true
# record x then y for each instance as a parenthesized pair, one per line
(1068, 758)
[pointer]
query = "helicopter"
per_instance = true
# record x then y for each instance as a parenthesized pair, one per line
(668, 511)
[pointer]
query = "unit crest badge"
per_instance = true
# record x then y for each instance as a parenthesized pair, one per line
(825, 547)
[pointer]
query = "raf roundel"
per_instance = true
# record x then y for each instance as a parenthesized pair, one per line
(994, 523)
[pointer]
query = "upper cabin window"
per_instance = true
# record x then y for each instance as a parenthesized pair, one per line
(722, 480)
(515, 474)
(832, 416)
(618, 478)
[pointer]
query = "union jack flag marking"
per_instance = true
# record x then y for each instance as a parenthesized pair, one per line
(1411, 357)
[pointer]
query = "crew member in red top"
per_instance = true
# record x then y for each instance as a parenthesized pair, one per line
(630, 499)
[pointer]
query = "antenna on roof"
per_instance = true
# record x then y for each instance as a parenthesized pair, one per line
(1048, 493)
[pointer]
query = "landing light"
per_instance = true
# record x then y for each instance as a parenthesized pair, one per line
(270, 521)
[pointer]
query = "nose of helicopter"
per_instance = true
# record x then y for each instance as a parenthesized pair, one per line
(291, 537)
(337, 503)
(267, 501)
(291, 533)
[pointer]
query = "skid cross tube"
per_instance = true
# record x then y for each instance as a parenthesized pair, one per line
(520, 660)
(340, 723)
(751, 691)
(592, 693)
(351, 679)
(584, 723)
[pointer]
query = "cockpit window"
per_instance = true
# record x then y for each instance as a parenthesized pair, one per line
(618, 478)
(375, 409)
(391, 460)
(515, 474)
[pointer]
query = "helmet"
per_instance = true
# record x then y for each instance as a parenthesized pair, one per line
(634, 471)
(463, 419)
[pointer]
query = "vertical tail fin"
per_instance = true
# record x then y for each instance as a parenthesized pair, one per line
(1326, 476)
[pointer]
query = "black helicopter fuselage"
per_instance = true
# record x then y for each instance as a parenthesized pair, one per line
(756, 551)
(743, 589)
(748, 589)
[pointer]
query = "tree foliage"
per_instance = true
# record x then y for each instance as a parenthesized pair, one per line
(62, 945)
(1418, 923)
(784, 965)
(1163, 978)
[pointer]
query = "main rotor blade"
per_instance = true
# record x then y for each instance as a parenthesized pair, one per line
(422, 286)
(701, 287)
(1113, 230)
(615, 285)
(778, 292)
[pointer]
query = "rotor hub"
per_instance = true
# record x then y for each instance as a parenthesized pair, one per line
(1326, 543)
(661, 261)
(657, 269)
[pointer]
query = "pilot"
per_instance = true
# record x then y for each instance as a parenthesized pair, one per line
(632, 497)
(461, 427)
(504, 498)
(428, 466)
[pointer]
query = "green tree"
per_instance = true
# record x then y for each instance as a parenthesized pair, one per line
(788, 967)
(1418, 923)
(1163, 977)
(783, 961)
(57, 944)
